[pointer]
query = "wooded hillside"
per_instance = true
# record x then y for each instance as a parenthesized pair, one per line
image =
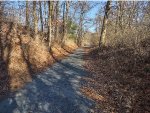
(115, 35)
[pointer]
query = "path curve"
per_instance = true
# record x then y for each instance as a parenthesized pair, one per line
(55, 90)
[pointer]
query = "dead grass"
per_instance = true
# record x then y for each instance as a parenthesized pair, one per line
(18, 68)
(60, 52)
(24, 57)
(38, 55)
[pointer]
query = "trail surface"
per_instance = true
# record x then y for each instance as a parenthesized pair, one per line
(55, 90)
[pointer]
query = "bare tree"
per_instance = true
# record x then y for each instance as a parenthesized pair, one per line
(57, 19)
(105, 20)
(50, 24)
(119, 16)
(41, 18)
(83, 9)
(27, 14)
(65, 19)
(1, 42)
(35, 20)
(45, 15)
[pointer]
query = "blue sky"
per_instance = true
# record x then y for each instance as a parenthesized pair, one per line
(92, 14)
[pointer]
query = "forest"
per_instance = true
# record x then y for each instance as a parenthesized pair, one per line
(74, 56)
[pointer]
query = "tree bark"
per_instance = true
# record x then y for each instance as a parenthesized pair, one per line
(105, 20)
(65, 18)
(41, 18)
(57, 19)
(35, 21)
(27, 14)
(1, 42)
(49, 25)
(63, 39)
(80, 30)
(45, 15)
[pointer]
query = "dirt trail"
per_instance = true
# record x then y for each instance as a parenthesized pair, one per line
(55, 90)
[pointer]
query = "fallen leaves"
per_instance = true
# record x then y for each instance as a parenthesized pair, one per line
(123, 82)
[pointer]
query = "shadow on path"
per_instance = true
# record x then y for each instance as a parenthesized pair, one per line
(56, 90)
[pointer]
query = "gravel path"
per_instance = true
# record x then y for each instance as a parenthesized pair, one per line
(55, 90)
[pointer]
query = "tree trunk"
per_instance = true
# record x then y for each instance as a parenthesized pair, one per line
(63, 39)
(49, 24)
(56, 24)
(35, 21)
(65, 18)
(27, 14)
(120, 11)
(119, 16)
(105, 20)
(52, 20)
(45, 15)
(1, 42)
(41, 18)
(80, 30)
